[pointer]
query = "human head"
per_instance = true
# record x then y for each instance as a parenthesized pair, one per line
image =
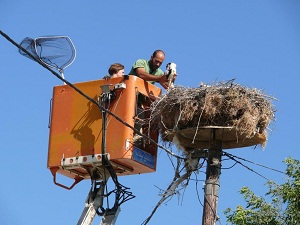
(157, 59)
(116, 70)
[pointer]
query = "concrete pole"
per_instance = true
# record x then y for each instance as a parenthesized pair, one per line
(212, 183)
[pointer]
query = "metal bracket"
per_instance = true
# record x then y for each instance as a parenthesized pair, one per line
(111, 218)
(54, 171)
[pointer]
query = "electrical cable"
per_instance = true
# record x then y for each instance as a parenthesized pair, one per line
(121, 190)
(227, 168)
(227, 154)
(86, 96)
(232, 157)
(197, 191)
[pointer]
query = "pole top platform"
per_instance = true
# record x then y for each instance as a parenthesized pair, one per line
(202, 136)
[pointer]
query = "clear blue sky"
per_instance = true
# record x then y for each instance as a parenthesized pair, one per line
(257, 42)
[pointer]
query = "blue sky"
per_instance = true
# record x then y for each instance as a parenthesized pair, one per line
(257, 42)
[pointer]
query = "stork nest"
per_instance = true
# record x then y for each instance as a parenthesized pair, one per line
(226, 104)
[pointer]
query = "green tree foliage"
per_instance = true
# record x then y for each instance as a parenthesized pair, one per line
(283, 208)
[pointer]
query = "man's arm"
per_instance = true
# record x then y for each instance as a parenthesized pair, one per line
(140, 72)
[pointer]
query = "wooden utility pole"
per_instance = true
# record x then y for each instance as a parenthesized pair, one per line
(212, 183)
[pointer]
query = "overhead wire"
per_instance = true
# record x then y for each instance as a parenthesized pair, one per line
(228, 154)
(87, 97)
(227, 168)
(233, 158)
(113, 115)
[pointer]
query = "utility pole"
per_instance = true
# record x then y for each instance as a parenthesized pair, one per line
(212, 183)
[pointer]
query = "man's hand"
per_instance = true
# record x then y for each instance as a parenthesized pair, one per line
(163, 80)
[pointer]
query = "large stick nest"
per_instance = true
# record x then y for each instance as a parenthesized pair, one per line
(247, 110)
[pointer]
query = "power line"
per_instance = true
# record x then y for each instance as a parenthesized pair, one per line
(227, 168)
(86, 96)
(232, 157)
(228, 154)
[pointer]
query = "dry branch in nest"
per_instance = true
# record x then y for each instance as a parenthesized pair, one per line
(247, 111)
